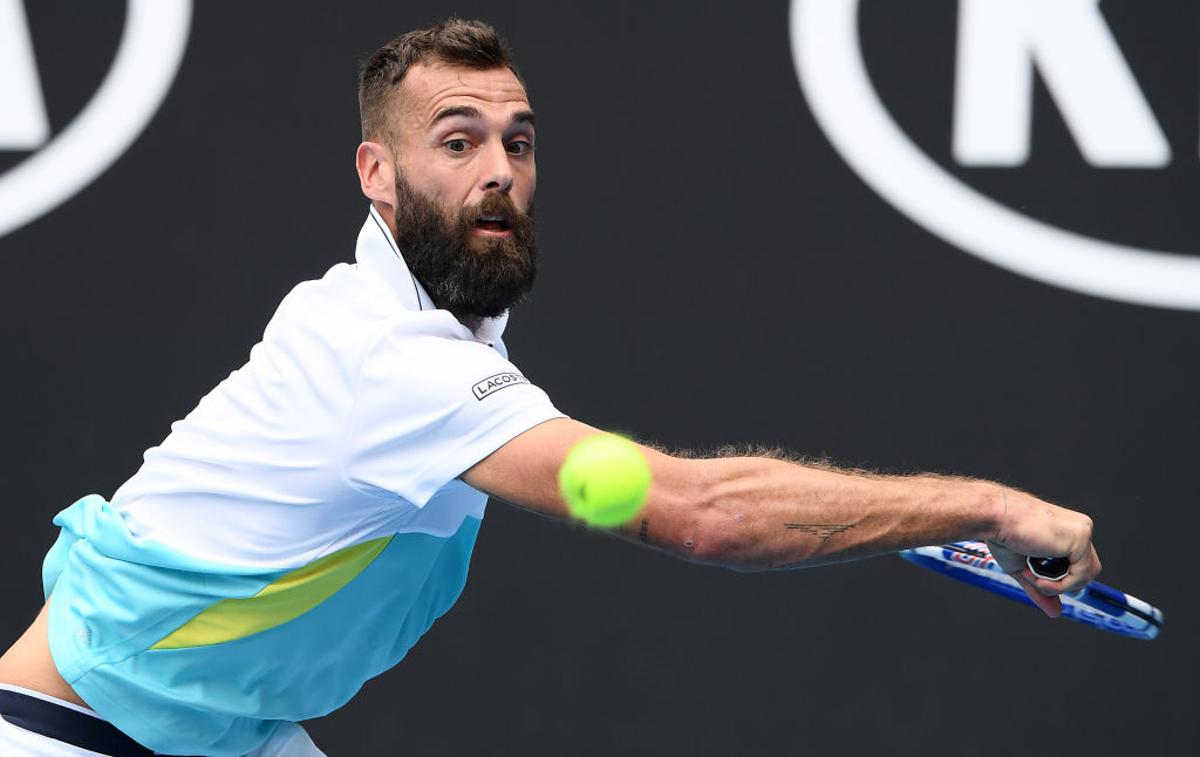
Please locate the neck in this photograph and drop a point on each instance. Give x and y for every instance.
(471, 322)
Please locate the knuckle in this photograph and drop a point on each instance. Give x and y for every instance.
(1088, 526)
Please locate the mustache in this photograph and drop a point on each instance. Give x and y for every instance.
(497, 206)
(470, 274)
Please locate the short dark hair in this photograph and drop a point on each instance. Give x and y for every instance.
(473, 44)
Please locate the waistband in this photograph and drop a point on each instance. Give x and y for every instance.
(72, 726)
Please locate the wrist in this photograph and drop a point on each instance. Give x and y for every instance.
(991, 509)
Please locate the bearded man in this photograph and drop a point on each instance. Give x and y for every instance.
(312, 517)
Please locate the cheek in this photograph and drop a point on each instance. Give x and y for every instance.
(452, 189)
(525, 191)
(429, 174)
(444, 191)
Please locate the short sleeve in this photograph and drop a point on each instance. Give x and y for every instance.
(427, 408)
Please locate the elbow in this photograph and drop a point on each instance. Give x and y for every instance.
(715, 533)
(729, 532)
(694, 515)
(724, 547)
(720, 543)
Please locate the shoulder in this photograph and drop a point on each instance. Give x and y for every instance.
(347, 310)
(431, 347)
(354, 319)
(343, 289)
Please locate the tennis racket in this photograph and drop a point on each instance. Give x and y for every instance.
(1096, 605)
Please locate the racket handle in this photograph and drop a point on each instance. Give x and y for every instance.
(1050, 568)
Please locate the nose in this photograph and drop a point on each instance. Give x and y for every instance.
(497, 173)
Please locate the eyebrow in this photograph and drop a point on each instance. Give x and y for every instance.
(470, 111)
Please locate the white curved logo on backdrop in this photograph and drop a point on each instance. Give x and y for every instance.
(149, 55)
(829, 63)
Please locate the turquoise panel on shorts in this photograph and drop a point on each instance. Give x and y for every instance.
(114, 596)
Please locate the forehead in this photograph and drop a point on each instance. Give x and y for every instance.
(427, 89)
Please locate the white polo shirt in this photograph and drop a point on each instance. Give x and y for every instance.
(301, 528)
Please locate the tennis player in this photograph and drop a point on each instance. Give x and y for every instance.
(300, 529)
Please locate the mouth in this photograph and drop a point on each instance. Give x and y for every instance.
(493, 225)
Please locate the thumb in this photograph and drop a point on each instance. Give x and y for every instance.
(1052, 606)
(1009, 561)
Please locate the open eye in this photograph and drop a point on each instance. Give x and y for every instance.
(456, 145)
(519, 147)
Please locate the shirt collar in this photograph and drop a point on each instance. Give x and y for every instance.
(377, 252)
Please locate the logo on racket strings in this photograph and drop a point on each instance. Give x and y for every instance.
(974, 554)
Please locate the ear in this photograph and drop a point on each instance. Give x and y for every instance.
(377, 173)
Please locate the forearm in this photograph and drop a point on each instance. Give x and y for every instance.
(756, 513)
(761, 514)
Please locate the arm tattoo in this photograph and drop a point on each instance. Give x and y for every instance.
(820, 530)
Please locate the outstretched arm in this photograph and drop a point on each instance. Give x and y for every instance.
(756, 513)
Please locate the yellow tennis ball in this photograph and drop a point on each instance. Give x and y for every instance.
(604, 480)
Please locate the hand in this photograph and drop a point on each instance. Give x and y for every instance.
(1030, 526)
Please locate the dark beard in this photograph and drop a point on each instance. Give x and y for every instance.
(472, 276)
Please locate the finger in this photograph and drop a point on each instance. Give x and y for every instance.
(1048, 587)
(1096, 566)
(1080, 575)
(1051, 605)
(1083, 548)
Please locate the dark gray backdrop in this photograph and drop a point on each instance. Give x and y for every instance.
(712, 273)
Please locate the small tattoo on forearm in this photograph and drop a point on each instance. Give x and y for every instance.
(644, 530)
(820, 530)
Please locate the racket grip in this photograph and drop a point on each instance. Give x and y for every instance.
(1050, 568)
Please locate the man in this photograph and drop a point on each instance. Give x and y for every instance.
(299, 530)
